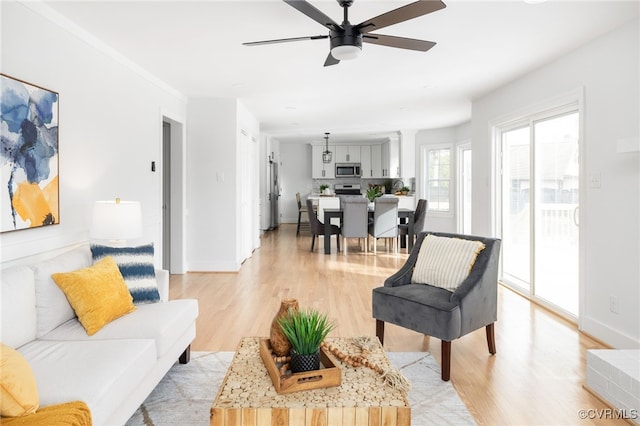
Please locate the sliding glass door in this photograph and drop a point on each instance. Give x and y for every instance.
(539, 208)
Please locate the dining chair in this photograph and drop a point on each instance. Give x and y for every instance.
(304, 225)
(317, 228)
(385, 221)
(419, 221)
(355, 218)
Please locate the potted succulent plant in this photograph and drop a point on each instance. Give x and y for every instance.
(405, 190)
(306, 330)
(324, 189)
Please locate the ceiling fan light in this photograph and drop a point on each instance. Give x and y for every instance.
(346, 52)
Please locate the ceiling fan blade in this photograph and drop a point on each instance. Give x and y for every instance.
(400, 42)
(401, 14)
(284, 40)
(313, 13)
(331, 61)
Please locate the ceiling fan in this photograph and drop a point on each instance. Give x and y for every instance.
(346, 39)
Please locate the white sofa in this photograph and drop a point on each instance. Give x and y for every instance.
(112, 371)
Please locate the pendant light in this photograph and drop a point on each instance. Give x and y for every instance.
(326, 155)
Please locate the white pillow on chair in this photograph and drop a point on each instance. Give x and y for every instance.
(445, 262)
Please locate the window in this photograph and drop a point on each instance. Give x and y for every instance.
(438, 179)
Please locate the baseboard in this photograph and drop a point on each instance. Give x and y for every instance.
(608, 335)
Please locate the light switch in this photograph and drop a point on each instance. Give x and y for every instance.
(594, 180)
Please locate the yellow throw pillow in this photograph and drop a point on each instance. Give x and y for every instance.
(19, 392)
(98, 294)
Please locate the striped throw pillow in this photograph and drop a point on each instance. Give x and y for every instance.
(137, 268)
(445, 262)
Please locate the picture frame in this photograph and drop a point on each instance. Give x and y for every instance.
(29, 155)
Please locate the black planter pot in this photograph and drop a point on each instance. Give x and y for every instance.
(300, 363)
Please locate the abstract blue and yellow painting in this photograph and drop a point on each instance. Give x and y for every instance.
(28, 155)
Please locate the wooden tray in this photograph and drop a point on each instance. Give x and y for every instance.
(329, 374)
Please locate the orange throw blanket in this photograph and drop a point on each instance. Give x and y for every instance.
(69, 414)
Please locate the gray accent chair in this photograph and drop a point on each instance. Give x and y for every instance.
(385, 221)
(437, 312)
(355, 220)
(317, 228)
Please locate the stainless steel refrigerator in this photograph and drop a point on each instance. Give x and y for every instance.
(274, 194)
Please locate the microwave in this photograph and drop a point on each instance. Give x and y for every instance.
(348, 170)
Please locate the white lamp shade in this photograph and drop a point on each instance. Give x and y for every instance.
(346, 52)
(116, 220)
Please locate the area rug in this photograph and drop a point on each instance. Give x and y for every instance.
(186, 393)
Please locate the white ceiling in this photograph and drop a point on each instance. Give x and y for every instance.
(195, 47)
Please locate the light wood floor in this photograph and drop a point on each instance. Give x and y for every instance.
(535, 378)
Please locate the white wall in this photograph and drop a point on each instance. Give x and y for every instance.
(222, 222)
(608, 70)
(408, 154)
(295, 172)
(110, 124)
(216, 223)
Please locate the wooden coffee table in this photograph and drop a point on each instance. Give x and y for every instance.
(247, 396)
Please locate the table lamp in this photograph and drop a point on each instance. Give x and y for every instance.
(116, 221)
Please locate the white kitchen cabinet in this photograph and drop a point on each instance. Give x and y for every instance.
(376, 161)
(394, 159)
(385, 159)
(347, 154)
(320, 170)
(390, 159)
(406, 202)
(365, 161)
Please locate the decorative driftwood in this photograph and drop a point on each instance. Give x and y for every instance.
(248, 397)
(392, 377)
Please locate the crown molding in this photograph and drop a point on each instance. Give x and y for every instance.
(65, 23)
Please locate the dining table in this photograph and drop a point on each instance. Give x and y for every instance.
(405, 216)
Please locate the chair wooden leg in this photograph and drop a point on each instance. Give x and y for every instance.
(446, 360)
(380, 331)
(313, 241)
(298, 229)
(491, 338)
(185, 357)
(338, 241)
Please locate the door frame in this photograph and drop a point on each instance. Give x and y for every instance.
(556, 105)
(176, 166)
(460, 149)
